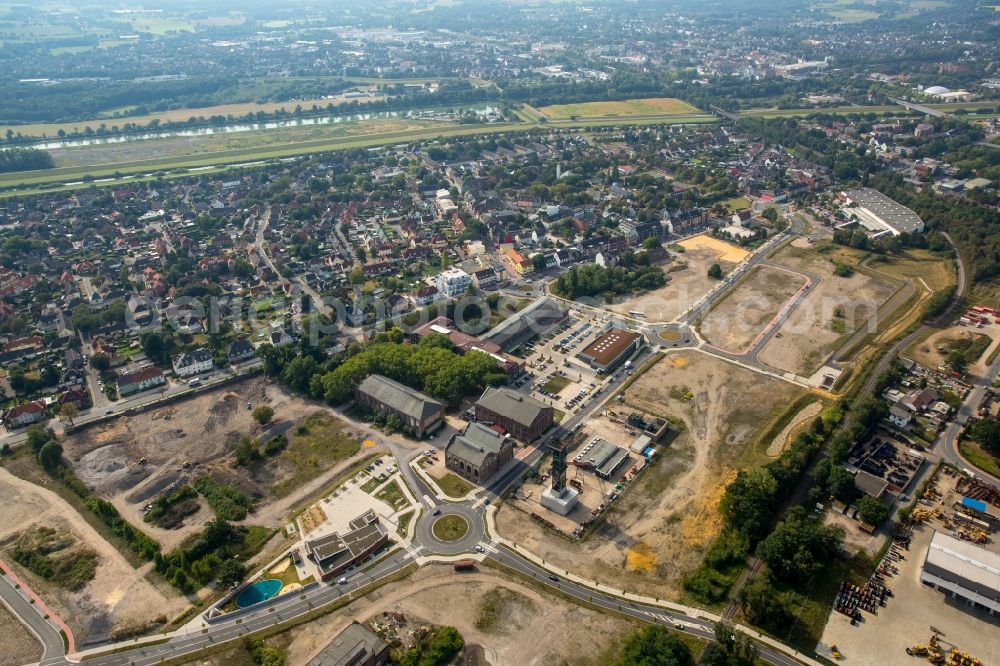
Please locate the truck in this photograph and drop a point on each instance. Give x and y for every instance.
(465, 565)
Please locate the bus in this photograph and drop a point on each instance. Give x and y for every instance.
(636, 313)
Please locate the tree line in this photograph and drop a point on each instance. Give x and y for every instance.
(24, 159)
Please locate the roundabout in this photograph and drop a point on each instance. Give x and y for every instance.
(457, 528)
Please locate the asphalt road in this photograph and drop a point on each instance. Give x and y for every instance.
(47, 635)
(640, 611)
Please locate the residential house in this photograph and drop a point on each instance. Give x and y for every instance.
(142, 379)
(193, 363)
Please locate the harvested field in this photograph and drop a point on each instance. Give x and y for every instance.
(829, 314)
(17, 644)
(736, 321)
(117, 597)
(131, 461)
(657, 531)
(628, 107)
(687, 280)
(507, 608)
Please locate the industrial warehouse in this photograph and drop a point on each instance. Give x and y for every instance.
(611, 348)
(878, 214)
(963, 571)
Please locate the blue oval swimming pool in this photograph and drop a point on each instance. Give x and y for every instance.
(260, 591)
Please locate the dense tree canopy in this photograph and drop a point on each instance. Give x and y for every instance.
(594, 280)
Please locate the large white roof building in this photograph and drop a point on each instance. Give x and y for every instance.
(879, 214)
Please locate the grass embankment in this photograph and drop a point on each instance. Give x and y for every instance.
(28, 182)
(979, 457)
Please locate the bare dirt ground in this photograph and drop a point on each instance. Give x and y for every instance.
(814, 330)
(118, 596)
(437, 595)
(17, 644)
(744, 313)
(657, 532)
(927, 353)
(131, 461)
(687, 282)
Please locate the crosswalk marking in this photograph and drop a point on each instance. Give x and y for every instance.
(413, 551)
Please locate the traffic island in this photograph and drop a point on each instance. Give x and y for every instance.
(450, 528)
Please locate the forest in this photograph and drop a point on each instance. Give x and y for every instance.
(594, 280)
(24, 159)
(433, 366)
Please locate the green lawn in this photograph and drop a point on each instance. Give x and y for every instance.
(453, 485)
(371, 484)
(736, 203)
(975, 454)
(393, 495)
(556, 384)
(450, 528)
(404, 522)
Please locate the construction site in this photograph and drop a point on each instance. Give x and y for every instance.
(591, 468)
(132, 462)
(920, 600)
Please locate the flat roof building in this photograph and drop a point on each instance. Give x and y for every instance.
(417, 412)
(535, 319)
(337, 552)
(478, 453)
(521, 415)
(602, 457)
(879, 214)
(356, 645)
(611, 348)
(963, 570)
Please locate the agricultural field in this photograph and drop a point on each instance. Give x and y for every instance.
(736, 321)
(133, 461)
(837, 306)
(658, 531)
(687, 279)
(116, 597)
(629, 107)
